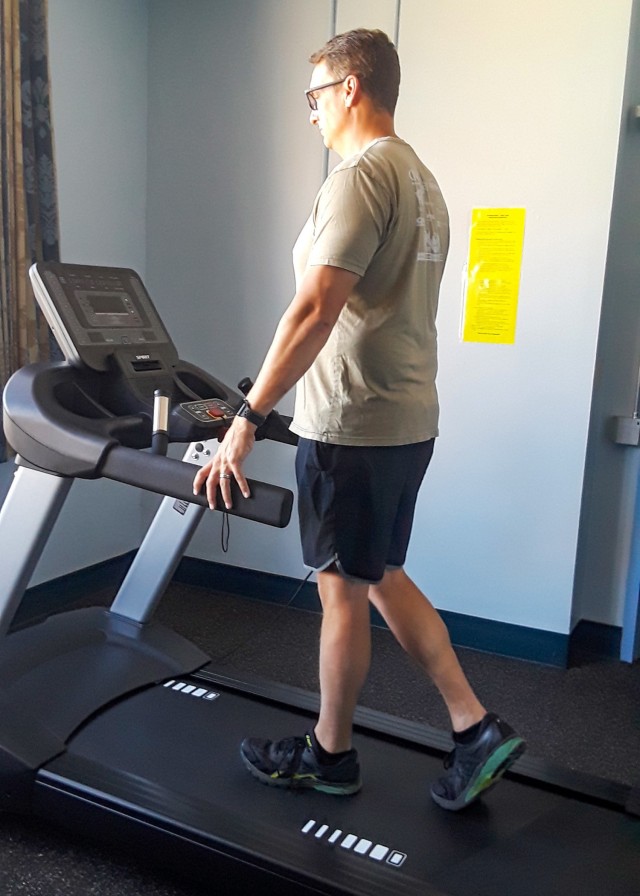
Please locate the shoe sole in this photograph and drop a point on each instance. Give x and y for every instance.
(302, 782)
(487, 776)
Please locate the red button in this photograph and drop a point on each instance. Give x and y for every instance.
(215, 412)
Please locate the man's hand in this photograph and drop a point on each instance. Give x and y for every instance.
(227, 464)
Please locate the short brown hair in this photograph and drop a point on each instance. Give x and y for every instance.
(371, 56)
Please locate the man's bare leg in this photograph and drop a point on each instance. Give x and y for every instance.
(481, 755)
(345, 656)
(419, 629)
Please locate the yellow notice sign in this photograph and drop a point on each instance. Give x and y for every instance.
(493, 278)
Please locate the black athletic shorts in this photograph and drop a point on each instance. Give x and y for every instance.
(356, 505)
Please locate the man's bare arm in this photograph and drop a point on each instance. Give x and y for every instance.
(302, 332)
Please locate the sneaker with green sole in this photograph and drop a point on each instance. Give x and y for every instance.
(293, 763)
(475, 767)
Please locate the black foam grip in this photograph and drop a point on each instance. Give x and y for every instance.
(159, 442)
(268, 504)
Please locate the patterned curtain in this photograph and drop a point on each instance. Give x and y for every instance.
(28, 212)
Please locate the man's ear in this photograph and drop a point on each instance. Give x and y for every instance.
(353, 90)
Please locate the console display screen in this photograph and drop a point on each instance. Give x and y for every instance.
(106, 302)
(97, 313)
(106, 309)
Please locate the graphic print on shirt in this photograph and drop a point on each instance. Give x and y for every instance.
(429, 247)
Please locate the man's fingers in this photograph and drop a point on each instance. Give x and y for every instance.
(225, 489)
(223, 469)
(226, 478)
(200, 478)
(242, 482)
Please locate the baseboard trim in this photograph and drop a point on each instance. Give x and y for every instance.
(589, 642)
(489, 636)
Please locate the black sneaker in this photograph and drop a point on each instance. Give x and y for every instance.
(293, 763)
(475, 767)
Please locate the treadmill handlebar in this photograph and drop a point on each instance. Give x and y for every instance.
(276, 429)
(59, 418)
(54, 423)
(276, 426)
(268, 504)
(54, 420)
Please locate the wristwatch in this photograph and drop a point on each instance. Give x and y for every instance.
(252, 416)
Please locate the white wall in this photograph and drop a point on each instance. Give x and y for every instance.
(98, 66)
(510, 105)
(514, 104)
(98, 69)
(233, 168)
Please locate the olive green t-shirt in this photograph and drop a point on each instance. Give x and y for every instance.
(381, 215)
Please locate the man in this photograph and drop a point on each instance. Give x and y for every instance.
(359, 339)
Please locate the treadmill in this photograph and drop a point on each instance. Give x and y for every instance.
(117, 727)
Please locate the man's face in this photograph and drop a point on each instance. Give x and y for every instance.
(330, 114)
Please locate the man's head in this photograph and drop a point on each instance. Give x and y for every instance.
(370, 56)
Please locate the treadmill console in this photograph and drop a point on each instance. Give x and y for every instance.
(94, 311)
(122, 380)
(208, 410)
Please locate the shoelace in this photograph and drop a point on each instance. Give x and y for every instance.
(288, 752)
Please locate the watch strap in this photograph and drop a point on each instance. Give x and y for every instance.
(252, 416)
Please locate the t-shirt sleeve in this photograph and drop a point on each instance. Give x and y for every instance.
(350, 218)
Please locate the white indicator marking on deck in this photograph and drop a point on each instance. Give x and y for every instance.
(183, 687)
(363, 846)
(348, 841)
(360, 846)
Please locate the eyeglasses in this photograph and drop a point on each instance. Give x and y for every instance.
(310, 93)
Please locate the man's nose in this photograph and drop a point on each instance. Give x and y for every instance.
(313, 116)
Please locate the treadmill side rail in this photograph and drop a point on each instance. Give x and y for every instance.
(60, 673)
(25, 746)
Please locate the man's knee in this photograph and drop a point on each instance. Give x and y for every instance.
(334, 587)
(393, 580)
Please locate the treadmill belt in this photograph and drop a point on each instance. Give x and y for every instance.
(168, 757)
